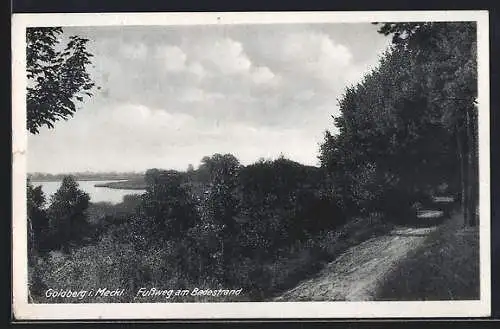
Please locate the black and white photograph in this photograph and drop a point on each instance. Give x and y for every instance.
(251, 165)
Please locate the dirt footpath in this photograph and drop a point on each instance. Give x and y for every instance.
(356, 274)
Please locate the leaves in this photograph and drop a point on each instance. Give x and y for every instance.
(67, 213)
(401, 117)
(167, 208)
(56, 78)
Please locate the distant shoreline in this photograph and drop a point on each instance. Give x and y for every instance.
(115, 184)
(80, 179)
(130, 184)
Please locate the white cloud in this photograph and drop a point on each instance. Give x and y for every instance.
(304, 95)
(173, 58)
(197, 69)
(227, 56)
(263, 75)
(250, 93)
(134, 51)
(157, 138)
(314, 47)
(316, 54)
(192, 95)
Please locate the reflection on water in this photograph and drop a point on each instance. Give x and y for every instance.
(97, 194)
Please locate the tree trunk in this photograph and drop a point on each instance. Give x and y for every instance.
(471, 179)
(463, 183)
(31, 241)
(31, 258)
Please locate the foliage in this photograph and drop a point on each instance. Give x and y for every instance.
(67, 214)
(167, 209)
(281, 202)
(37, 217)
(446, 55)
(57, 76)
(394, 141)
(406, 129)
(218, 211)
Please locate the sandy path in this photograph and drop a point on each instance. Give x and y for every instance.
(355, 275)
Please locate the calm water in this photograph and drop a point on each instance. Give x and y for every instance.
(97, 194)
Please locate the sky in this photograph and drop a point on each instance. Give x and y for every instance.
(171, 95)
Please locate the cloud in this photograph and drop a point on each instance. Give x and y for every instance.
(227, 56)
(134, 51)
(174, 59)
(263, 75)
(199, 95)
(197, 69)
(316, 55)
(158, 138)
(171, 96)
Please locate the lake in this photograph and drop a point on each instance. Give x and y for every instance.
(97, 194)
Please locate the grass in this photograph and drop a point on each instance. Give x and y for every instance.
(446, 267)
(88, 267)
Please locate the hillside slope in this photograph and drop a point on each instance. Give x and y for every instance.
(357, 274)
(438, 262)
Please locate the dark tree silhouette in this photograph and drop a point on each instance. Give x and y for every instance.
(38, 220)
(398, 126)
(167, 209)
(67, 213)
(219, 210)
(57, 76)
(447, 56)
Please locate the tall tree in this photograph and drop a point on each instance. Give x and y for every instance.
(220, 205)
(37, 216)
(447, 56)
(67, 213)
(391, 144)
(167, 207)
(57, 76)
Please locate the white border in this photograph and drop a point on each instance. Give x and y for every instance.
(25, 311)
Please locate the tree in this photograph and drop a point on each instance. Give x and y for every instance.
(37, 216)
(447, 56)
(219, 208)
(221, 167)
(275, 197)
(67, 213)
(391, 146)
(37, 234)
(57, 76)
(167, 209)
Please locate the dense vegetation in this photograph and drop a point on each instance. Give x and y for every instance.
(411, 125)
(406, 132)
(223, 232)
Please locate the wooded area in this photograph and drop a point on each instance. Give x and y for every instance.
(406, 133)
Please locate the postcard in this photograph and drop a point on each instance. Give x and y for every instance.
(259, 165)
